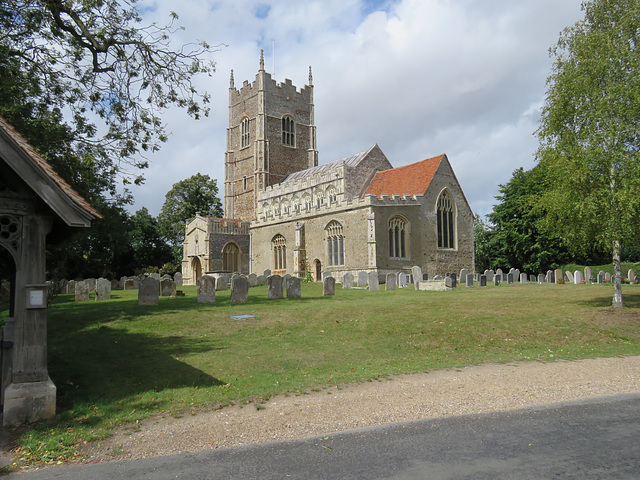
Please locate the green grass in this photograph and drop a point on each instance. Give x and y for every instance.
(115, 362)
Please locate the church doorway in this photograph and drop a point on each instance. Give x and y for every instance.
(318, 267)
(196, 268)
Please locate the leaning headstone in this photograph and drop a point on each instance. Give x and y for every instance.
(483, 280)
(390, 282)
(167, 287)
(82, 291)
(274, 283)
(266, 273)
(577, 277)
(402, 280)
(328, 286)
(260, 280)
(447, 282)
(103, 289)
(293, 287)
(326, 274)
(509, 278)
(347, 280)
(240, 288)
(541, 278)
(363, 279)
(177, 278)
(253, 279)
(373, 281)
(569, 276)
(516, 274)
(496, 280)
(207, 289)
(469, 279)
(587, 275)
(129, 284)
(416, 271)
(222, 283)
(149, 291)
(523, 278)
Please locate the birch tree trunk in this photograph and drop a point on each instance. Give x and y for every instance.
(617, 276)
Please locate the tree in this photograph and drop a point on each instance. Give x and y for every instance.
(150, 249)
(589, 136)
(92, 60)
(196, 194)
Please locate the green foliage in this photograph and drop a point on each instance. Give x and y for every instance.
(94, 60)
(116, 362)
(482, 244)
(196, 194)
(589, 140)
(150, 248)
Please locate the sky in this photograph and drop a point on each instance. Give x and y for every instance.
(417, 77)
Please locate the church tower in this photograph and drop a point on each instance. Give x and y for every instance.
(271, 134)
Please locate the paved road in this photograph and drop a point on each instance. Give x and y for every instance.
(593, 439)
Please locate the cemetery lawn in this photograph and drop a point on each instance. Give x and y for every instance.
(115, 362)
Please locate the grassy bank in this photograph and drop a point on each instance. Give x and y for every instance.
(115, 362)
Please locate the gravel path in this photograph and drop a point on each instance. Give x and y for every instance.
(479, 389)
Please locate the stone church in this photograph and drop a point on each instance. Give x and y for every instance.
(287, 214)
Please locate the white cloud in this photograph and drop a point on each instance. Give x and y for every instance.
(419, 77)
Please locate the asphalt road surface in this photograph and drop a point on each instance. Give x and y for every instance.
(593, 439)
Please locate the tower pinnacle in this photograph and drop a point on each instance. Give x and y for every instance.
(262, 60)
(310, 77)
(231, 82)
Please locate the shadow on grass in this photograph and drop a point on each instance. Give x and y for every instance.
(630, 300)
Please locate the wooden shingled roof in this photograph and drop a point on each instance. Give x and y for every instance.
(45, 182)
(413, 179)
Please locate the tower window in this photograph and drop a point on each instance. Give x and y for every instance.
(245, 132)
(288, 132)
(398, 237)
(244, 183)
(446, 224)
(335, 243)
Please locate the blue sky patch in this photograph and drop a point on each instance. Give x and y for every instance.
(261, 11)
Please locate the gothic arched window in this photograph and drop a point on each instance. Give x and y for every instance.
(288, 131)
(335, 243)
(245, 132)
(398, 237)
(446, 223)
(231, 257)
(279, 245)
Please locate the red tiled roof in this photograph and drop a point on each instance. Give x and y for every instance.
(22, 143)
(413, 179)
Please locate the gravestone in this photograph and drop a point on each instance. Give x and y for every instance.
(569, 276)
(577, 277)
(284, 278)
(416, 271)
(222, 283)
(363, 279)
(551, 278)
(92, 283)
(253, 279)
(489, 274)
(541, 278)
(260, 280)
(499, 273)
(347, 280)
(469, 279)
(454, 280)
(463, 274)
(155, 275)
(103, 289)
(496, 280)
(558, 275)
(122, 280)
(149, 291)
(600, 278)
(437, 278)
(328, 286)
(167, 287)
(207, 289)
(607, 277)
(516, 275)
(587, 275)
(293, 285)
(631, 275)
(240, 288)
(509, 278)
(71, 287)
(129, 284)
(275, 287)
(523, 278)
(114, 284)
(326, 274)
(390, 282)
(177, 278)
(533, 278)
(483, 280)
(266, 273)
(82, 291)
(374, 284)
(5, 291)
(402, 280)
